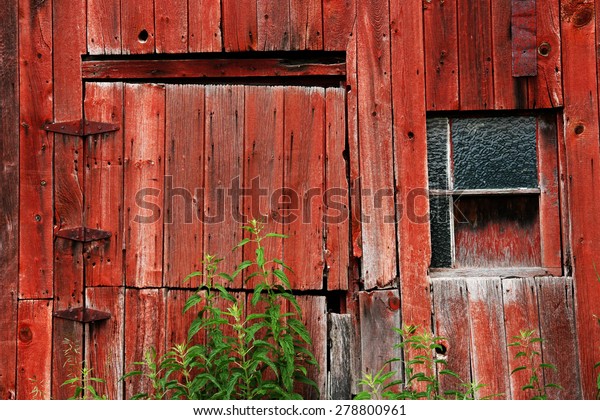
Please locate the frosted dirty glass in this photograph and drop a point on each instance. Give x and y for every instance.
(437, 152)
(441, 237)
(498, 152)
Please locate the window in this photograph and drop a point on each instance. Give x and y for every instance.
(494, 194)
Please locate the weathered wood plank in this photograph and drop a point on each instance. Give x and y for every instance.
(224, 148)
(451, 321)
(179, 323)
(171, 25)
(375, 133)
(137, 27)
(341, 348)
(144, 184)
(520, 314)
(36, 150)
(379, 314)
(184, 180)
(441, 54)
(240, 26)
(69, 18)
(338, 20)
(306, 25)
(145, 329)
(304, 151)
(105, 341)
(34, 349)
(475, 55)
(9, 201)
(410, 147)
(68, 293)
(274, 32)
(314, 316)
(510, 92)
(206, 68)
(104, 26)
(337, 200)
(580, 84)
(545, 90)
(557, 326)
(104, 185)
(524, 30)
(488, 341)
(204, 25)
(263, 166)
(550, 236)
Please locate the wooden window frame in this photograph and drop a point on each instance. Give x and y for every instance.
(550, 203)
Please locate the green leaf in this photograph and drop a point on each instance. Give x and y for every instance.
(241, 243)
(282, 276)
(449, 373)
(281, 263)
(276, 235)
(191, 302)
(260, 256)
(191, 275)
(226, 277)
(548, 366)
(517, 369)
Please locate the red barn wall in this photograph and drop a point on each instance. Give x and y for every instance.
(403, 60)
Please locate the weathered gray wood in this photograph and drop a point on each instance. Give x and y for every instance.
(341, 357)
(557, 326)
(504, 272)
(379, 314)
(451, 321)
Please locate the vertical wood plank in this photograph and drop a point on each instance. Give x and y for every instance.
(105, 341)
(338, 20)
(550, 236)
(34, 349)
(68, 293)
(545, 90)
(337, 211)
(224, 146)
(240, 25)
(184, 180)
(340, 336)
(451, 321)
(104, 26)
(524, 30)
(263, 165)
(137, 27)
(580, 83)
(510, 92)
(314, 316)
(557, 325)
(306, 24)
(379, 315)
(410, 147)
(204, 25)
(488, 340)
(441, 54)
(379, 268)
(171, 23)
(475, 55)
(144, 329)
(520, 314)
(9, 201)
(104, 185)
(273, 25)
(36, 150)
(69, 20)
(304, 150)
(179, 323)
(144, 184)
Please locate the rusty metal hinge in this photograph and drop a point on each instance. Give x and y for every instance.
(83, 234)
(83, 315)
(81, 128)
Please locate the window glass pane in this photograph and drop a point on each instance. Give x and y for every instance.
(437, 152)
(498, 152)
(441, 236)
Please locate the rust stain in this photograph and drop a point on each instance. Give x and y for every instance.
(578, 12)
(393, 302)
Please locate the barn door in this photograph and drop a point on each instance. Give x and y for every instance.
(189, 165)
